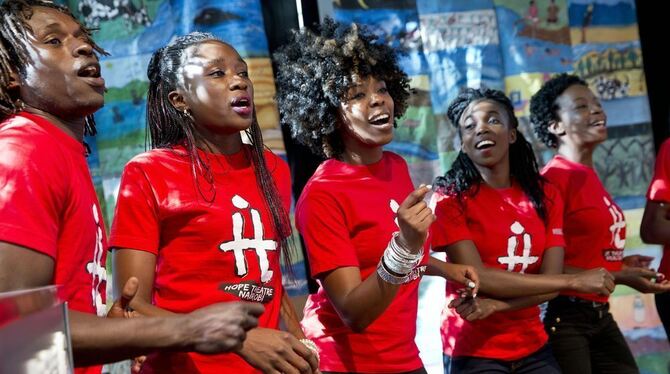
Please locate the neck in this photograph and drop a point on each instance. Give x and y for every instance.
(581, 155)
(74, 127)
(497, 176)
(359, 155)
(222, 144)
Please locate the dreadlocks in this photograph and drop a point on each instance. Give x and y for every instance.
(464, 178)
(168, 127)
(14, 57)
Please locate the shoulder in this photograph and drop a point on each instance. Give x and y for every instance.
(24, 143)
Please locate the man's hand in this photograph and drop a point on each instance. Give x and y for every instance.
(273, 351)
(121, 306)
(218, 328)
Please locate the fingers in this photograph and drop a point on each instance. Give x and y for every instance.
(306, 357)
(472, 281)
(130, 290)
(415, 196)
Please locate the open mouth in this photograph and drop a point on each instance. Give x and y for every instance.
(241, 105)
(379, 119)
(600, 123)
(91, 72)
(485, 144)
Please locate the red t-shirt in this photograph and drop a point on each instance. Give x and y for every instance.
(347, 216)
(594, 226)
(509, 235)
(207, 252)
(48, 204)
(659, 190)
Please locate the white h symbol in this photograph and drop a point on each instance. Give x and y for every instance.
(239, 244)
(97, 271)
(618, 224)
(512, 242)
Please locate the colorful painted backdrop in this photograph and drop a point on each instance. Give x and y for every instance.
(515, 45)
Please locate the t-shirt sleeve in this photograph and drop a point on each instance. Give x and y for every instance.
(554, 225)
(322, 223)
(659, 189)
(32, 195)
(136, 219)
(450, 225)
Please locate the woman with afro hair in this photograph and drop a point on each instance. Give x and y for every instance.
(364, 224)
(496, 213)
(568, 116)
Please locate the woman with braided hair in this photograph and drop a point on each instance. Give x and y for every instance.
(495, 213)
(203, 218)
(364, 224)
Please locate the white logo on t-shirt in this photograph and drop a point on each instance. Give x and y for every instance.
(96, 268)
(394, 208)
(511, 260)
(239, 244)
(618, 224)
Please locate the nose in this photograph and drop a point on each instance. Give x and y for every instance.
(83, 48)
(376, 99)
(238, 83)
(481, 127)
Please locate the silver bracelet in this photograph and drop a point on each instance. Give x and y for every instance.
(387, 277)
(312, 347)
(398, 259)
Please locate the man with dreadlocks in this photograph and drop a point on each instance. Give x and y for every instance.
(364, 224)
(51, 229)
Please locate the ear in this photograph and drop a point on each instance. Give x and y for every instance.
(556, 128)
(14, 81)
(177, 100)
(512, 136)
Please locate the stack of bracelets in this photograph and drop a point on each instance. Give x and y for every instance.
(398, 262)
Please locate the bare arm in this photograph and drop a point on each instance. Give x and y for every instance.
(655, 226)
(290, 318)
(502, 284)
(219, 328)
(265, 349)
(360, 302)
(474, 309)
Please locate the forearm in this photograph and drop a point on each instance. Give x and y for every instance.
(98, 340)
(505, 285)
(365, 302)
(523, 302)
(290, 317)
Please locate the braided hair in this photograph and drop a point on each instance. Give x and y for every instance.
(543, 107)
(14, 57)
(464, 178)
(315, 72)
(168, 127)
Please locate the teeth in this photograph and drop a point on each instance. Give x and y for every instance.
(380, 118)
(484, 143)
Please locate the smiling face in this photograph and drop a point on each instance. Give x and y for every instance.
(486, 133)
(215, 88)
(581, 119)
(367, 114)
(63, 77)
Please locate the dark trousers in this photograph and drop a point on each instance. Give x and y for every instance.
(663, 308)
(586, 339)
(540, 362)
